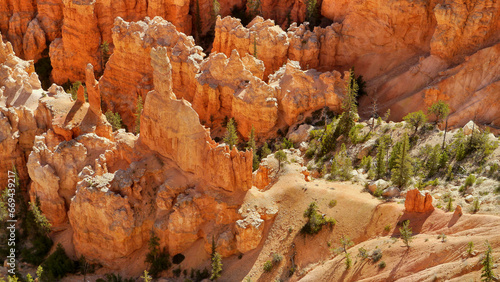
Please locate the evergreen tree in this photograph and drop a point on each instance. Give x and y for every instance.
(138, 112)
(40, 218)
(487, 270)
(215, 9)
(341, 165)
(265, 151)
(440, 109)
(406, 234)
(396, 151)
(251, 146)
(104, 55)
(281, 157)
(402, 168)
(349, 106)
(381, 166)
(231, 136)
(416, 120)
(432, 163)
(156, 258)
(216, 262)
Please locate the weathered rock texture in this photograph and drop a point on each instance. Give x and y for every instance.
(128, 72)
(218, 87)
(416, 202)
(80, 43)
(19, 91)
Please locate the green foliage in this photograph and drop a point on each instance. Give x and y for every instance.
(366, 162)
(440, 110)
(332, 203)
(476, 205)
(312, 12)
(382, 264)
(406, 234)
(315, 220)
(158, 260)
(104, 54)
(402, 170)
(469, 181)
(40, 218)
(449, 205)
(253, 9)
(381, 169)
(73, 90)
(487, 270)
(231, 137)
(348, 261)
(252, 146)
(470, 248)
(138, 111)
(416, 120)
(277, 258)
(114, 119)
(268, 266)
(349, 106)
(345, 242)
(341, 165)
(354, 134)
(376, 255)
(363, 253)
(265, 151)
(432, 163)
(281, 157)
(57, 265)
(146, 277)
(287, 144)
(216, 262)
(215, 9)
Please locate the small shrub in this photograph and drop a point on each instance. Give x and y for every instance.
(57, 265)
(348, 261)
(268, 266)
(470, 248)
(476, 205)
(315, 220)
(114, 119)
(332, 203)
(469, 181)
(387, 228)
(376, 255)
(382, 264)
(277, 258)
(287, 144)
(363, 253)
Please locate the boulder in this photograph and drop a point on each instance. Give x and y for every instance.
(391, 192)
(416, 202)
(301, 134)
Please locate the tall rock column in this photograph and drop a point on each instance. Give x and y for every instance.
(79, 45)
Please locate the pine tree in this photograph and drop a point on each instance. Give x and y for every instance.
(349, 105)
(104, 54)
(406, 234)
(281, 157)
(251, 146)
(416, 120)
(231, 136)
(216, 262)
(440, 109)
(381, 166)
(40, 218)
(265, 151)
(138, 112)
(341, 165)
(487, 270)
(402, 168)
